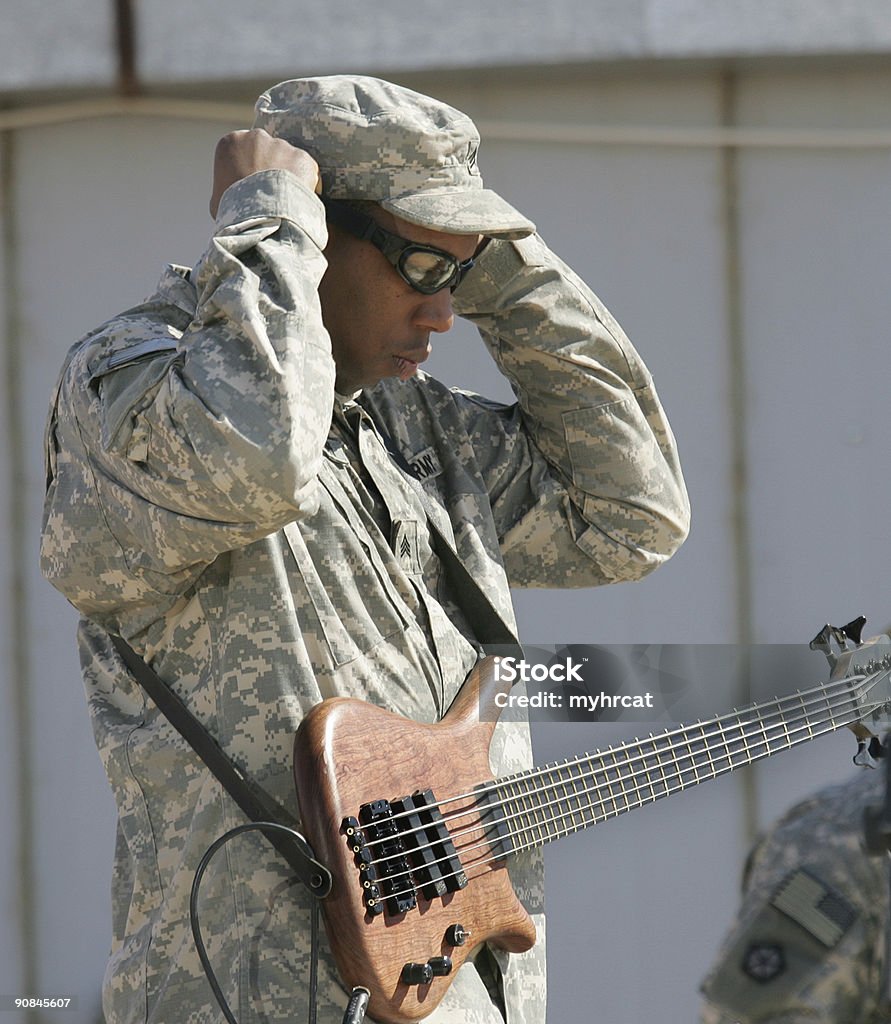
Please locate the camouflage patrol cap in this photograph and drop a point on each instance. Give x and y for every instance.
(373, 140)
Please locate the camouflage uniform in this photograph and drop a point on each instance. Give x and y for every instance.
(216, 502)
(810, 942)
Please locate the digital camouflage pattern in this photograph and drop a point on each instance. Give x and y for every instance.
(212, 499)
(810, 943)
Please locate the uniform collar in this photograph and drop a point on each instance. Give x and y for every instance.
(176, 288)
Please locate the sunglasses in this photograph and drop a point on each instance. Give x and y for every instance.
(425, 268)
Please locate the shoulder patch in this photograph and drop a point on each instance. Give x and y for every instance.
(819, 910)
(764, 961)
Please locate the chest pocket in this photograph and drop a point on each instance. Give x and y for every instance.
(346, 584)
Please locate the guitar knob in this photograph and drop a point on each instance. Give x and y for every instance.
(868, 752)
(417, 974)
(440, 965)
(456, 935)
(854, 629)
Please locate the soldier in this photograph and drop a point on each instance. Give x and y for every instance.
(221, 494)
(811, 937)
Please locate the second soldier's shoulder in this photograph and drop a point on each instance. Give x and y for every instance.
(839, 806)
(824, 835)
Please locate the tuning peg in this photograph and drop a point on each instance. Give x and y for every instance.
(823, 640)
(854, 629)
(868, 752)
(841, 635)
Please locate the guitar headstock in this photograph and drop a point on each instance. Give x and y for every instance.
(850, 657)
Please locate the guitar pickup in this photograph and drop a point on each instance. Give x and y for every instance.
(429, 846)
(403, 849)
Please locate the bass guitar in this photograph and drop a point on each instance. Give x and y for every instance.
(417, 835)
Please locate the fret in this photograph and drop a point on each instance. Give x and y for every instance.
(568, 804)
(745, 741)
(533, 825)
(708, 753)
(633, 778)
(726, 754)
(696, 746)
(777, 735)
(552, 802)
(733, 739)
(685, 762)
(605, 784)
(523, 825)
(828, 708)
(539, 803)
(734, 744)
(578, 781)
(585, 793)
(763, 739)
(653, 763)
(553, 810)
(786, 734)
(516, 815)
(566, 800)
(830, 711)
(615, 781)
(806, 713)
(663, 777)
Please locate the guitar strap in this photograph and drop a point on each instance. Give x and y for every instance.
(256, 804)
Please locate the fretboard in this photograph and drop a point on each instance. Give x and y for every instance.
(535, 807)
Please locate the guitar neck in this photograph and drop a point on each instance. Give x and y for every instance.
(538, 806)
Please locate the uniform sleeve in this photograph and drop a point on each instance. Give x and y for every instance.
(215, 439)
(587, 463)
(254, 396)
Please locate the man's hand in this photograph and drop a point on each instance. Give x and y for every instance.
(239, 154)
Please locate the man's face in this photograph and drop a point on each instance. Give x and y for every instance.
(379, 325)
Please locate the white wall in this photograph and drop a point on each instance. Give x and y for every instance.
(47, 45)
(638, 905)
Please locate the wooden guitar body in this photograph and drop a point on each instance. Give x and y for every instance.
(348, 754)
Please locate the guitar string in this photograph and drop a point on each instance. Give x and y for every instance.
(495, 858)
(706, 751)
(734, 719)
(579, 793)
(785, 736)
(723, 723)
(701, 738)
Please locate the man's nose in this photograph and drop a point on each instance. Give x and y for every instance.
(435, 312)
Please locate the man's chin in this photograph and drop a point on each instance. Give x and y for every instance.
(401, 369)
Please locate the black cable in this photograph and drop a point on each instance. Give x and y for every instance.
(355, 1011)
(254, 826)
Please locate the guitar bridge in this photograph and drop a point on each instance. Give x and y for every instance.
(403, 849)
